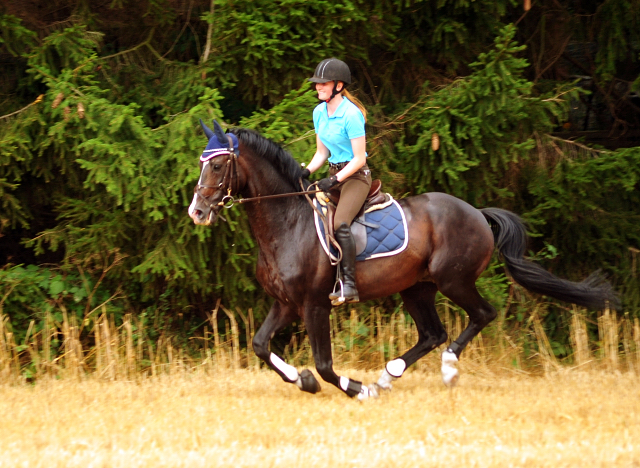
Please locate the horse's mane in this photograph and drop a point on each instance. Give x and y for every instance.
(267, 149)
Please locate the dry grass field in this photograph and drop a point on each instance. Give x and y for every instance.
(245, 418)
(130, 402)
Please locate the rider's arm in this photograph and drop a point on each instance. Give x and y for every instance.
(322, 154)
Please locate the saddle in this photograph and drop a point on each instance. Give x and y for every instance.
(374, 198)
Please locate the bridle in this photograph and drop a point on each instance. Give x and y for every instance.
(229, 180)
(230, 184)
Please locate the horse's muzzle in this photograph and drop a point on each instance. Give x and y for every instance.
(200, 218)
(202, 215)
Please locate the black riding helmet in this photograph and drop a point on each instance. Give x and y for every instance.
(332, 69)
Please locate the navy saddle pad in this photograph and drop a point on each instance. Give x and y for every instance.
(390, 237)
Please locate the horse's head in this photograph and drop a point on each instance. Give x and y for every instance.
(218, 175)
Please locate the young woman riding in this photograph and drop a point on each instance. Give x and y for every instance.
(340, 137)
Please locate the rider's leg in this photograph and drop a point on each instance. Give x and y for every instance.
(348, 264)
(352, 196)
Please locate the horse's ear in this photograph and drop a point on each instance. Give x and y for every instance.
(207, 131)
(219, 132)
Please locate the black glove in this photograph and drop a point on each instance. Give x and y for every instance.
(305, 174)
(326, 184)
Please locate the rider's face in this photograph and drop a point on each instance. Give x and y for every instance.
(325, 89)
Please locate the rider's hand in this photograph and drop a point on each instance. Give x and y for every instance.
(305, 174)
(326, 184)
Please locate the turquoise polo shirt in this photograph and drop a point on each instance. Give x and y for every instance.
(337, 131)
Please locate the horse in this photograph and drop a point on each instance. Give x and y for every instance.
(450, 244)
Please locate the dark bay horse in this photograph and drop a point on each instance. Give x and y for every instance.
(450, 244)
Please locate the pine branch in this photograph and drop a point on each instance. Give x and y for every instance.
(207, 48)
(579, 145)
(37, 101)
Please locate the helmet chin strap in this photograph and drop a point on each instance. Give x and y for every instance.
(335, 91)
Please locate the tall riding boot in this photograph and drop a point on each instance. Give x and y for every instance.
(348, 264)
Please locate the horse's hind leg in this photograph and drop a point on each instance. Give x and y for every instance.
(419, 301)
(480, 313)
(279, 317)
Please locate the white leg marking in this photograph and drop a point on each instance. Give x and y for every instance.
(396, 367)
(364, 393)
(385, 380)
(290, 372)
(450, 374)
(344, 383)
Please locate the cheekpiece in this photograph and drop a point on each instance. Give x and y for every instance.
(218, 142)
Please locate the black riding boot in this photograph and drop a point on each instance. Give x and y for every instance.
(348, 264)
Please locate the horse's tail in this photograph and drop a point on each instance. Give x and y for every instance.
(511, 240)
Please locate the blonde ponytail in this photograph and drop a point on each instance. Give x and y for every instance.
(356, 101)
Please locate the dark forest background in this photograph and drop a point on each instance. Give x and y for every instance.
(535, 111)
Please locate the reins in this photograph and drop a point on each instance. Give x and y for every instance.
(230, 184)
(230, 199)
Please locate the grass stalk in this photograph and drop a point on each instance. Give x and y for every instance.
(579, 338)
(545, 350)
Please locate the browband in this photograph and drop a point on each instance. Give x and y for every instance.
(212, 153)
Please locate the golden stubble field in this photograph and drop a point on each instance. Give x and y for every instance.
(245, 418)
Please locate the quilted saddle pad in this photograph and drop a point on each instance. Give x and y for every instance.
(385, 228)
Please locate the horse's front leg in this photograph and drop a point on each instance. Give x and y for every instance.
(318, 328)
(279, 317)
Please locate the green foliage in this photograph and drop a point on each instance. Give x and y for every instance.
(103, 165)
(15, 38)
(617, 22)
(31, 293)
(485, 123)
(588, 205)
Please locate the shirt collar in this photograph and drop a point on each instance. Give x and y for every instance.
(342, 108)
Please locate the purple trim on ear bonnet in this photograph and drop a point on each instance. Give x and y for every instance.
(218, 142)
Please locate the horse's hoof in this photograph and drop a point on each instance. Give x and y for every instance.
(367, 392)
(309, 382)
(375, 390)
(450, 374)
(384, 382)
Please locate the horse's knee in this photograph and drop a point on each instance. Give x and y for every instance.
(441, 338)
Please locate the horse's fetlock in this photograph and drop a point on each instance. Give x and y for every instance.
(326, 372)
(442, 338)
(261, 349)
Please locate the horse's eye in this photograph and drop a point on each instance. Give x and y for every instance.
(216, 167)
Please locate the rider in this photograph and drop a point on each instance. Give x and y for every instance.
(340, 137)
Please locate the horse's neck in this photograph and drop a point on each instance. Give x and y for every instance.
(273, 219)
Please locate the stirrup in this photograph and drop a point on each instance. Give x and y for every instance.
(337, 299)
